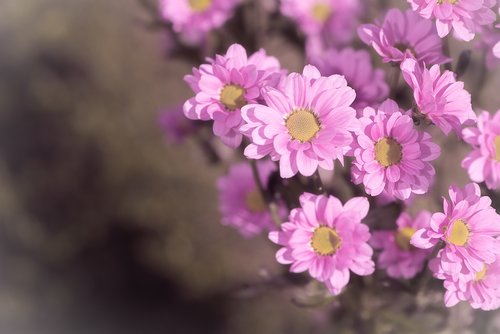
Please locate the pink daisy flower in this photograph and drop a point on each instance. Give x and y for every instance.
(240, 201)
(326, 239)
(207, 15)
(305, 126)
(483, 163)
(438, 96)
(496, 50)
(225, 85)
(468, 226)
(356, 67)
(463, 16)
(326, 21)
(391, 155)
(481, 289)
(490, 43)
(398, 256)
(403, 32)
(176, 126)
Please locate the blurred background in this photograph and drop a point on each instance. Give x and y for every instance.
(104, 227)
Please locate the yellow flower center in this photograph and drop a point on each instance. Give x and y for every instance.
(233, 97)
(388, 152)
(497, 148)
(440, 2)
(459, 233)
(321, 12)
(255, 202)
(199, 5)
(325, 240)
(403, 237)
(302, 125)
(481, 274)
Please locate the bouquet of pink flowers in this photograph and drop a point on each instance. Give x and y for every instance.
(291, 131)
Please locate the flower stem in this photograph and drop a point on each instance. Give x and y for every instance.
(424, 281)
(272, 206)
(318, 184)
(395, 81)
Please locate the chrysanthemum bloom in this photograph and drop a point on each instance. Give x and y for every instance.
(398, 256)
(403, 32)
(194, 18)
(481, 289)
(490, 43)
(305, 126)
(496, 50)
(176, 126)
(468, 228)
(483, 163)
(240, 201)
(438, 96)
(356, 67)
(225, 85)
(331, 21)
(463, 16)
(391, 155)
(326, 239)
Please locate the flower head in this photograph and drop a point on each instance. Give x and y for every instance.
(481, 289)
(326, 21)
(439, 97)
(398, 256)
(483, 163)
(304, 126)
(327, 239)
(490, 43)
(225, 85)
(208, 15)
(240, 202)
(468, 227)
(403, 32)
(463, 16)
(391, 155)
(176, 126)
(356, 67)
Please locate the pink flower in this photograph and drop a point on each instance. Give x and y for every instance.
(225, 85)
(176, 126)
(439, 97)
(481, 289)
(490, 43)
(240, 201)
(326, 21)
(463, 16)
(194, 18)
(483, 163)
(326, 239)
(391, 155)
(398, 257)
(403, 32)
(496, 50)
(304, 126)
(356, 67)
(468, 228)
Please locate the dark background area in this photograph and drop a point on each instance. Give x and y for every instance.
(105, 228)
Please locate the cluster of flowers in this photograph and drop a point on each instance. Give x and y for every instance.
(336, 108)
(332, 23)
